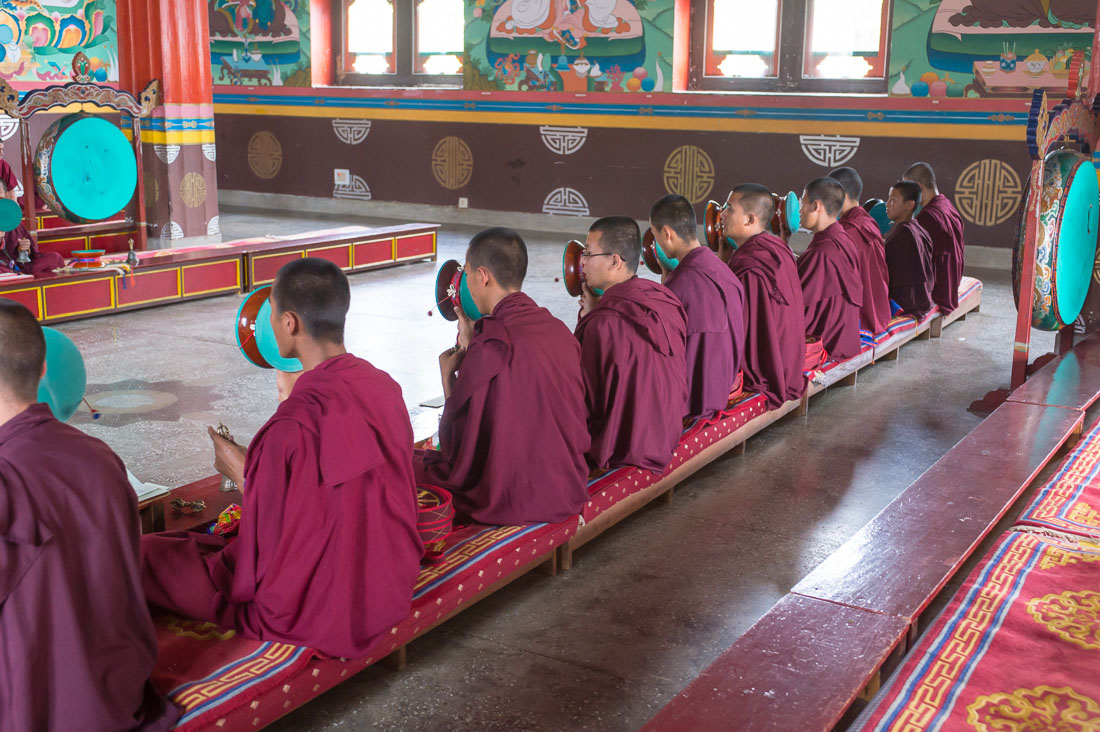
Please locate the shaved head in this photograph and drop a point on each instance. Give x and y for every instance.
(620, 235)
(908, 190)
(921, 173)
(317, 291)
(22, 352)
(850, 181)
(677, 213)
(502, 252)
(757, 200)
(829, 192)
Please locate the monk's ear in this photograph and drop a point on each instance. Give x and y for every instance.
(292, 323)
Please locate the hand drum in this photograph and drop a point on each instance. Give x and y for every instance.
(10, 215)
(84, 168)
(451, 292)
(62, 388)
(712, 228)
(255, 337)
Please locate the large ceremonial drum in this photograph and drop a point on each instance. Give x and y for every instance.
(786, 219)
(255, 337)
(84, 168)
(62, 388)
(451, 292)
(654, 256)
(1065, 241)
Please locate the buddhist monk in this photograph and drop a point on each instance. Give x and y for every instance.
(874, 314)
(633, 338)
(77, 644)
(328, 550)
(512, 437)
(829, 271)
(908, 252)
(775, 320)
(713, 301)
(944, 224)
(20, 240)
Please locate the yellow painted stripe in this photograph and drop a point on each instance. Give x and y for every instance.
(1008, 133)
(174, 137)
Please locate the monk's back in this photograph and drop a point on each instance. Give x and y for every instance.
(633, 357)
(77, 644)
(832, 291)
(328, 550)
(512, 437)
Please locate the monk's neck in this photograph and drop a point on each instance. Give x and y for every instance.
(684, 248)
(823, 226)
(742, 241)
(495, 297)
(927, 196)
(10, 409)
(316, 353)
(849, 204)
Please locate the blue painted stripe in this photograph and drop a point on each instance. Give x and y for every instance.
(236, 690)
(632, 110)
(1045, 491)
(474, 560)
(949, 630)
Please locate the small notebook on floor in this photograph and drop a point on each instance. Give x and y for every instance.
(435, 402)
(145, 491)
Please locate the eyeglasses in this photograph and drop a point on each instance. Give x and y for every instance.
(588, 255)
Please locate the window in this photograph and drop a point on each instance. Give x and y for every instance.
(400, 42)
(790, 45)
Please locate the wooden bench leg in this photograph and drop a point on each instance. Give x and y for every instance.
(977, 308)
(740, 448)
(396, 661)
(565, 557)
(668, 495)
(804, 405)
(872, 687)
(935, 328)
(891, 356)
(550, 566)
(849, 380)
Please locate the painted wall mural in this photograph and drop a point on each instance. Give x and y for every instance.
(260, 42)
(569, 45)
(38, 39)
(986, 48)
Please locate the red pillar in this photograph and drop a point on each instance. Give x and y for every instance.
(170, 40)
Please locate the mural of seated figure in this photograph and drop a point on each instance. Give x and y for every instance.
(599, 15)
(1026, 13)
(529, 16)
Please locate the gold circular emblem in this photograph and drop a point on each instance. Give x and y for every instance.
(689, 172)
(452, 163)
(1072, 616)
(193, 190)
(988, 192)
(265, 154)
(1043, 707)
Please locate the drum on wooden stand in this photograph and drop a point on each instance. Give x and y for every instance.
(1065, 240)
(84, 168)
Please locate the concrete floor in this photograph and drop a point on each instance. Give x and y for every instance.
(650, 603)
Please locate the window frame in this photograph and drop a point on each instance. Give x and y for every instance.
(794, 20)
(404, 52)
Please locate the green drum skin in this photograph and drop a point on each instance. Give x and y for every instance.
(62, 388)
(11, 215)
(85, 168)
(1065, 244)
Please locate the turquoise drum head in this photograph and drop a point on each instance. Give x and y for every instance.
(878, 213)
(62, 388)
(1075, 249)
(467, 300)
(10, 215)
(792, 212)
(669, 263)
(91, 170)
(269, 347)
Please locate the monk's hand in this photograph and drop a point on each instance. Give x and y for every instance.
(449, 362)
(24, 245)
(284, 382)
(228, 458)
(725, 251)
(589, 299)
(465, 328)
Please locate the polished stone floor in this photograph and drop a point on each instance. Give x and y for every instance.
(650, 603)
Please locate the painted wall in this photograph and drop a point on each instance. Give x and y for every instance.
(986, 48)
(38, 39)
(564, 47)
(260, 42)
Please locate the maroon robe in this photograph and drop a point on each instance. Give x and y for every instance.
(77, 644)
(714, 303)
(832, 291)
(7, 176)
(41, 262)
(944, 224)
(633, 359)
(328, 550)
(874, 314)
(775, 319)
(512, 437)
(909, 257)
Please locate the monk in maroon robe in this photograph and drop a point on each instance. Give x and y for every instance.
(874, 314)
(829, 271)
(713, 301)
(328, 549)
(633, 339)
(944, 224)
(40, 262)
(775, 320)
(908, 252)
(77, 644)
(512, 437)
